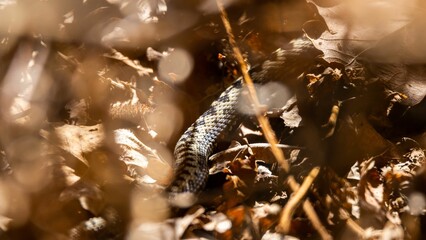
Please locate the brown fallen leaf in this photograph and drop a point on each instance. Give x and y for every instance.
(408, 80)
(355, 26)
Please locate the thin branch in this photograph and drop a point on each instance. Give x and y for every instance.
(263, 121)
(295, 200)
(266, 127)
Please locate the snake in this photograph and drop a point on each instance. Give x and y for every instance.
(199, 141)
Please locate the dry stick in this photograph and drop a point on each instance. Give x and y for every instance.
(262, 150)
(266, 128)
(295, 200)
(263, 121)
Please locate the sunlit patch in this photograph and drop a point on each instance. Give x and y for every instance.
(176, 67)
(210, 6)
(5, 3)
(14, 205)
(182, 200)
(116, 35)
(219, 222)
(271, 95)
(147, 205)
(417, 203)
(151, 230)
(69, 17)
(127, 32)
(30, 170)
(25, 87)
(146, 165)
(165, 121)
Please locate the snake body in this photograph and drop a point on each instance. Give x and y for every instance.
(199, 140)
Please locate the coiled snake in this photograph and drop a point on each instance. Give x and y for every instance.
(199, 140)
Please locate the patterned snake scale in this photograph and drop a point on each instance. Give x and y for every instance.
(199, 140)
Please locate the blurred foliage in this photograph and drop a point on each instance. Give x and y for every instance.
(95, 93)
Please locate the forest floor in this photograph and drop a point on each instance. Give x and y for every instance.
(96, 93)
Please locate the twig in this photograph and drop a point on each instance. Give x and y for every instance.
(332, 120)
(265, 126)
(295, 200)
(316, 222)
(263, 121)
(261, 150)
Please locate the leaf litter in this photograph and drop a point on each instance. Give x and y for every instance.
(87, 136)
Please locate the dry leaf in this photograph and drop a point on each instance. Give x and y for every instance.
(290, 114)
(354, 26)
